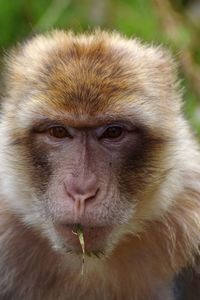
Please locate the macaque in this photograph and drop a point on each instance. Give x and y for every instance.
(92, 136)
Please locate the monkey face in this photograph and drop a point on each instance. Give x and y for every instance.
(86, 131)
(85, 185)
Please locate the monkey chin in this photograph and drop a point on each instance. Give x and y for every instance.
(96, 239)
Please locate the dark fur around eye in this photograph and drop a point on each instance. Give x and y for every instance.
(112, 132)
(58, 132)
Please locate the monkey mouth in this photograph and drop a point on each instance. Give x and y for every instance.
(95, 237)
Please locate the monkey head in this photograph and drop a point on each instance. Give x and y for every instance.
(87, 130)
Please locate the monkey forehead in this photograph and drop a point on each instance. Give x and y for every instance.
(35, 113)
(87, 74)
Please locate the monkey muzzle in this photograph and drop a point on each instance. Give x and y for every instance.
(95, 237)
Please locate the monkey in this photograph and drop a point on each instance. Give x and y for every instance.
(92, 134)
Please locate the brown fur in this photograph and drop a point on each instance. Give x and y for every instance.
(82, 80)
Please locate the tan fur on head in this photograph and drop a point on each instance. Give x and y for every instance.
(85, 81)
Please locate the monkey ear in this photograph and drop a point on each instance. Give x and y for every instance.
(24, 60)
(165, 63)
(159, 73)
(14, 70)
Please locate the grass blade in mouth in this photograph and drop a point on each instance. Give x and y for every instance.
(79, 232)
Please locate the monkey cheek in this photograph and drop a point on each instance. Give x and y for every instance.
(95, 238)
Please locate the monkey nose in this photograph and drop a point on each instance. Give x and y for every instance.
(81, 191)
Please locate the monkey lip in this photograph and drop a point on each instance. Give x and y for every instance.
(95, 237)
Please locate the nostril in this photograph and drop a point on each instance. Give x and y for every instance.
(67, 191)
(93, 196)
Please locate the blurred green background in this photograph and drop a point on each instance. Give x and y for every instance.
(175, 24)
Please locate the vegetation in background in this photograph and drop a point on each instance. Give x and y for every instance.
(175, 24)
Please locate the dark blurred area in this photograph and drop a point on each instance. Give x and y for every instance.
(175, 24)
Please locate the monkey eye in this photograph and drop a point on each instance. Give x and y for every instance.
(113, 132)
(59, 132)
